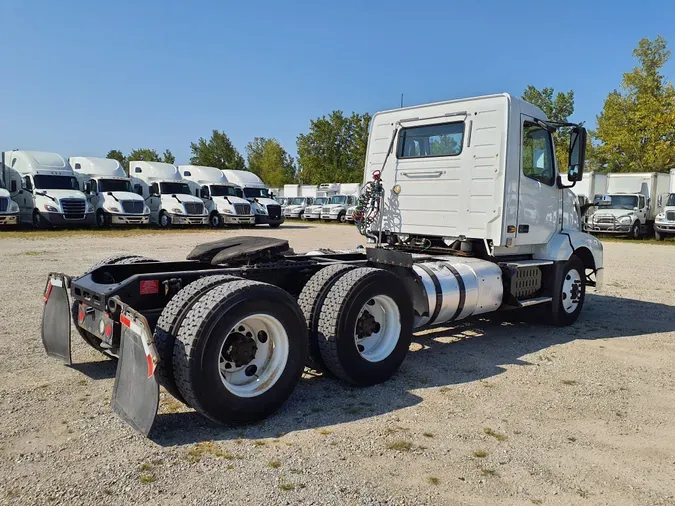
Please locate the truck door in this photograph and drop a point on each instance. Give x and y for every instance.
(94, 197)
(154, 202)
(538, 194)
(26, 203)
(643, 210)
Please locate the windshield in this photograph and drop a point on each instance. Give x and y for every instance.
(338, 199)
(671, 200)
(174, 189)
(622, 202)
(114, 185)
(297, 201)
(55, 183)
(253, 193)
(223, 191)
(321, 201)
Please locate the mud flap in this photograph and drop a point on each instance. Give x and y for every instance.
(56, 318)
(135, 396)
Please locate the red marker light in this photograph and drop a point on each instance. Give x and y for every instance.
(149, 287)
(108, 330)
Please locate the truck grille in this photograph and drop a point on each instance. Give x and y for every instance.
(4, 204)
(670, 214)
(73, 208)
(132, 206)
(242, 208)
(274, 211)
(325, 209)
(603, 219)
(194, 207)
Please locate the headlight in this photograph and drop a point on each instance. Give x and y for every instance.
(260, 210)
(625, 220)
(51, 209)
(177, 210)
(90, 208)
(335, 211)
(112, 209)
(225, 211)
(146, 210)
(13, 207)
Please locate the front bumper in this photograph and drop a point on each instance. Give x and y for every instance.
(264, 219)
(330, 216)
(182, 219)
(312, 216)
(608, 228)
(129, 219)
(667, 227)
(234, 219)
(295, 214)
(9, 220)
(60, 220)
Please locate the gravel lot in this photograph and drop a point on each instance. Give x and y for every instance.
(487, 412)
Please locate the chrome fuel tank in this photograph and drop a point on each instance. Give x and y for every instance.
(458, 287)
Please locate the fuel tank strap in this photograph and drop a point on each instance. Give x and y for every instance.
(439, 293)
(462, 291)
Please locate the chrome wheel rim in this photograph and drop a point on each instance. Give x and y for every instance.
(253, 356)
(377, 328)
(164, 220)
(571, 291)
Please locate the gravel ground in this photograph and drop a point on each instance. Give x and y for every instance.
(488, 412)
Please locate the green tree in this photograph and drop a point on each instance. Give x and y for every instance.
(144, 154)
(557, 107)
(636, 128)
(218, 152)
(270, 161)
(167, 157)
(334, 149)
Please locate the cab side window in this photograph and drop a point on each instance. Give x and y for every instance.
(537, 150)
(642, 202)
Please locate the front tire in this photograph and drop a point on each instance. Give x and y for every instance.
(571, 293)
(274, 225)
(240, 351)
(101, 219)
(164, 220)
(365, 326)
(635, 232)
(342, 217)
(38, 221)
(216, 220)
(659, 236)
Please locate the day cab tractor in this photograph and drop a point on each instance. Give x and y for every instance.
(466, 212)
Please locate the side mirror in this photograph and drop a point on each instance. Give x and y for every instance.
(659, 201)
(12, 186)
(204, 194)
(577, 157)
(87, 188)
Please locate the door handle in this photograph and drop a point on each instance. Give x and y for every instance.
(434, 173)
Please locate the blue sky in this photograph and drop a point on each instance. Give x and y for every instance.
(81, 78)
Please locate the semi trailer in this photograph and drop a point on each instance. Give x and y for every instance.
(664, 223)
(167, 194)
(110, 191)
(465, 211)
(48, 194)
(224, 201)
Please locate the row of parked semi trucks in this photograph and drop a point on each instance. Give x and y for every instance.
(46, 190)
(631, 204)
(327, 202)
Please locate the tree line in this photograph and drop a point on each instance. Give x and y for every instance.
(635, 133)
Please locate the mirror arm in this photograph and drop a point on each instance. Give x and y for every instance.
(561, 185)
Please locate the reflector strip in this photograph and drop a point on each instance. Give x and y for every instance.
(138, 330)
(125, 321)
(48, 291)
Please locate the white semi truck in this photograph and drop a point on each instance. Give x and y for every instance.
(664, 223)
(265, 208)
(224, 201)
(9, 210)
(631, 204)
(48, 192)
(466, 212)
(167, 194)
(110, 191)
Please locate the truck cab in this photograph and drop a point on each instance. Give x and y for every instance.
(223, 200)
(336, 208)
(9, 210)
(265, 208)
(296, 206)
(664, 223)
(110, 192)
(313, 211)
(167, 194)
(49, 193)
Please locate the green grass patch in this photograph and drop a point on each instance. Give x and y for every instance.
(488, 472)
(569, 382)
(205, 448)
(428, 434)
(400, 445)
(432, 480)
(274, 464)
(480, 454)
(147, 478)
(497, 435)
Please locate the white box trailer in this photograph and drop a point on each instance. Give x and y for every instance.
(463, 219)
(224, 201)
(664, 223)
(635, 199)
(110, 191)
(48, 193)
(167, 194)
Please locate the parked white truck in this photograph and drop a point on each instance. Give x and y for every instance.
(48, 192)
(224, 201)
(468, 213)
(9, 210)
(265, 208)
(110, 191)
(664, 223)
(167, 194)
(630, 205)
(323, 194)
(336, 208)
(588, 191)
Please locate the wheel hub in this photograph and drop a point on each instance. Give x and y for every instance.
(239, 349)
(367, 325)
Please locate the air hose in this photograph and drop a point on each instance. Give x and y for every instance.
(368, 206)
